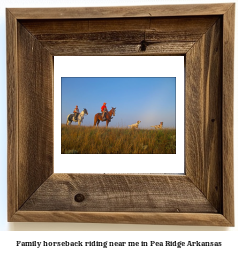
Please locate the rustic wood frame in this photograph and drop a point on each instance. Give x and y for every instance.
(204, 34)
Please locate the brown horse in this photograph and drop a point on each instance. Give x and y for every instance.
(108, 115)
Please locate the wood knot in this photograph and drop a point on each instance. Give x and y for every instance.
(143, 45)
(79, 198)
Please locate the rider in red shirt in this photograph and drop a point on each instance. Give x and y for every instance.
(103, 109)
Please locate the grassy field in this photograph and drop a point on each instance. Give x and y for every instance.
(101, 140)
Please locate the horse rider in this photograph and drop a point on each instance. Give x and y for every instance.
(103, 109)
(76, 112)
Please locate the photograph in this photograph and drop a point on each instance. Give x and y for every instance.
(118, 115)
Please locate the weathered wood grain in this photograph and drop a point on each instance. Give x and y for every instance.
(12, 114)
(114, 193)
(227, 113)
(174, 36)
(177, 25)
(190, 219)
(121, 11)
(72, 48)
(35, 109)
(203, 119)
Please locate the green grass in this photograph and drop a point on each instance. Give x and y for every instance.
(101, 140)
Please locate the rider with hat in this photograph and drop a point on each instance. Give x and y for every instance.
(103, 109)
(76, 112)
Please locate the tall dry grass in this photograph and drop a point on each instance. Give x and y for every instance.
(101, 140)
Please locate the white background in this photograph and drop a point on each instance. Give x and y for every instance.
(159, 66)
(7, 239)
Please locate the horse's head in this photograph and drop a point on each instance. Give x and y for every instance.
(113, 110)
(85, 111)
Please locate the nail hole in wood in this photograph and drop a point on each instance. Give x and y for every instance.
(79, 198)
(213, 120)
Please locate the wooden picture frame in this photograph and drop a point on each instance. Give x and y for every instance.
(204, 34)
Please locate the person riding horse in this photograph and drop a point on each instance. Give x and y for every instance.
(104, 110)
(76, 112)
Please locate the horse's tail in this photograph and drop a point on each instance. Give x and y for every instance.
(95, 120)
(68, 119)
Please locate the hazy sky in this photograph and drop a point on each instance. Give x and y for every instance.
(150, 100)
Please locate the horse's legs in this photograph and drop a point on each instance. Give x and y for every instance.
(79, 122)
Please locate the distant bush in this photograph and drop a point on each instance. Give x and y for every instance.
(101, 140)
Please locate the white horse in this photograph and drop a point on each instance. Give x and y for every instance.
(79, 119)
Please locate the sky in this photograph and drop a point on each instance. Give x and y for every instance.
(150, 100)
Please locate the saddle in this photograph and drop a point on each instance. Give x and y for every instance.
(105, 116)
(76, 117)
(105, 113)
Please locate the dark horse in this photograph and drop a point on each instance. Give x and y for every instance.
(108, 115)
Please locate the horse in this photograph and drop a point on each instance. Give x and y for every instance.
(108, 116)
(71, 117)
